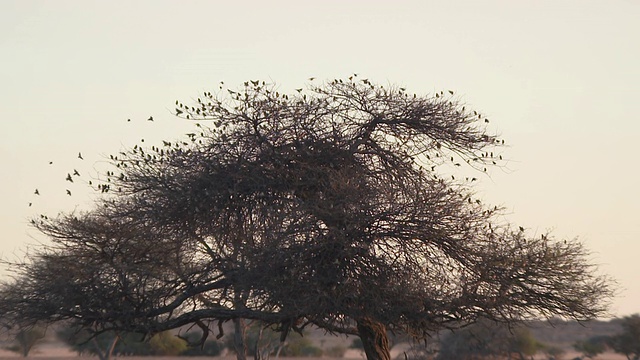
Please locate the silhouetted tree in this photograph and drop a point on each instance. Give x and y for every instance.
(628, 341)
(329, 206)
(591, 347)
(488, 340)
(26, 339)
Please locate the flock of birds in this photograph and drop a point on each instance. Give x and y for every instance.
(75, 173)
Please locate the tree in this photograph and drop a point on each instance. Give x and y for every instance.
(334, 206)
(165, 344)
(209, 348)
(26, 339)
(628, 341)
(81, 341)
(591, 347)
(554, 352)
(106, 344)
(487, 339)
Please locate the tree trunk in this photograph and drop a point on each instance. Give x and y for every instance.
(374, 339)
(239, 340)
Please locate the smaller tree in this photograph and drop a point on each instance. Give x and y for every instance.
(522, 343)
(591, 347)
(487, 339)
(104, 344)
(628, 341)
(209, 348)
(554, 352)
(299, 346)
(26, 340)
(82, 341)
(166, 344)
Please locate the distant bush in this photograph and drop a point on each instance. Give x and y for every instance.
(300, 347)
(337, 351)
(356, 344)
(210, 347)
(167, 344)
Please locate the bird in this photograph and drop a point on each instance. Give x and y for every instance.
(128, 120)
(75, 172)
(312, 78)
(451, 92)
(150, 118)
(30, 204)
(50, 162)
(68, 192)
(37, 192)
(178, 111)
(69, 179)
(80, 156)
(521, 228)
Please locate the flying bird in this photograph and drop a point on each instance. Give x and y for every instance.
(50, 162)
(150, 118)
(30, 204)
(69, 179)
(80, 156)
(75, 172)
(521, 228)
(68, 192)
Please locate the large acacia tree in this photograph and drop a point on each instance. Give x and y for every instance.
(331, 206)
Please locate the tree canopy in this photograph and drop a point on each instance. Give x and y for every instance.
(627, 342)
(326, 207)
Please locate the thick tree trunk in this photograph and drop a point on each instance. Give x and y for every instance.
(374, 339)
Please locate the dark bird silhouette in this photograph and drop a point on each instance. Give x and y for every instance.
(80, 156)
(37, 192)
(68, 192)
(30, 204)
(50, 162)
(150, 118)
(451, 92)
(69, 179)
(521, 228)
(75, 172)
(128, 120)
(312, 78)
(178, 111)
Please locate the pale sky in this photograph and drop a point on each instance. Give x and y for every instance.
(559, 80)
